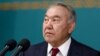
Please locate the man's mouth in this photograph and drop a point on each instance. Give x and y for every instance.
(49, 33)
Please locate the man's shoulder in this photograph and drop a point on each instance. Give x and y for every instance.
(36, 50)
(38, 46)
(82, 48)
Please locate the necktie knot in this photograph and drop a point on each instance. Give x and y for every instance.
(55, 51)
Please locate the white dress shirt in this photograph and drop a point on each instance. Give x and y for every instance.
(63, 48)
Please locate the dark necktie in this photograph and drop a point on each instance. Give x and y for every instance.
(54, 51)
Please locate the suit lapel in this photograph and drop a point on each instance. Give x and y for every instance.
(74, 49)
(43, 50)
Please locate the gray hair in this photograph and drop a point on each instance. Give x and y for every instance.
(69, 8)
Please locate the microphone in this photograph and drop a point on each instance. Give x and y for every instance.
(10, 45)
(22, 46)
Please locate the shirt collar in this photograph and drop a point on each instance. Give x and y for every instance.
(63, 48)
(49, 48)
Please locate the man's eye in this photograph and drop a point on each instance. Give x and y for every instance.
(56, 19)
(45, 19)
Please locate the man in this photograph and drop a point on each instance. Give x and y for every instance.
(59, 22)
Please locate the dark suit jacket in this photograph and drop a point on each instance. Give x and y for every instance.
(76, 49)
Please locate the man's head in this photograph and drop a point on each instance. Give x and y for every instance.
(59, 22)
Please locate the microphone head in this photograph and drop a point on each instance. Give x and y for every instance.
(12, 44)
(24, 43)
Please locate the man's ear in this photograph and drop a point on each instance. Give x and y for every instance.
(71, 27)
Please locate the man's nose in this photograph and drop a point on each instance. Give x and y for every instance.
(49, 24)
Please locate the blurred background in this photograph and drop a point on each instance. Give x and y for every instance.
(23, 19)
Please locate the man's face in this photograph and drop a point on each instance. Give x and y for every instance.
(55, 26)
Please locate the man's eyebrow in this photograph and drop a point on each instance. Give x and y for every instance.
(56, 16)
(46, 15)
(53, 16)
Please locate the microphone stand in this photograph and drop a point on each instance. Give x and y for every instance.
(2, 53)
(16, 53)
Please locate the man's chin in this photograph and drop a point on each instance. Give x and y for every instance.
(49, 35)
(49, 40)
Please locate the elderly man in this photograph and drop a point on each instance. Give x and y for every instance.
(59, 22)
